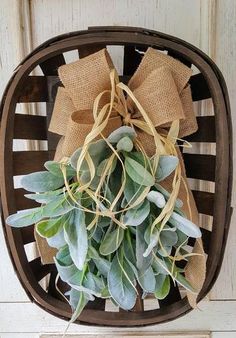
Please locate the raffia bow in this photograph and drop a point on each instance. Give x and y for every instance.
(157, 103)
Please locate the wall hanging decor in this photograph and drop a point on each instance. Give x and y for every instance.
(108, 202)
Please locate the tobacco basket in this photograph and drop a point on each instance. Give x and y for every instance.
(208, 87)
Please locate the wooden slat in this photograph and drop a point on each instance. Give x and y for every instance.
(131, 60)
(179, 57)
(206, 237)
(50, 66)
(22, 202)
(30, 127)
(27, 234)
(87, 50)
(206, 130)
(40, 270)
(199, 87)
(204, 201)
(34, 89)
(200, 166)
(97, 304)
(26, 162)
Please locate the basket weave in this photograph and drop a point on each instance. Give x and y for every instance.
(216, 129)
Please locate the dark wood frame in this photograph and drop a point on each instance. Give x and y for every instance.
(209, 83)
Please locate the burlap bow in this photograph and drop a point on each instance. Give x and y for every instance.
(160, 85)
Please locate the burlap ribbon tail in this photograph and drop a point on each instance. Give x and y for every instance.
(160, 85)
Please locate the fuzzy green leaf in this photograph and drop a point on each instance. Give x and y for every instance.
(45, 197)
(121, 132)
(103, 164)
(121, 283)
(168, 238)
(111, 241)
(157, 198)
(185, 225)
(136, 216)
(146, 279)
(97, 150)
(138, 173)
(125, 144)
(80, 306)
(132, 190)
(166, 194)
(57, 241)
(50, 227)
(180, 279)
(41, 181)
(166, 166)
(102, 264)
(60, 205)
(162, 292)
(55, 168)
(25, 217)
(75, 233)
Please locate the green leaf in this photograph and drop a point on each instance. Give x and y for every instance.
(60, 205)
(132, 190)
(75, 233)
(111, 240)
(178, 202)
(85, 290)
(166, 166)
(146, 279)
(129, 247)
(55, 168)
(185, 225)
(94, 283)
(105, 293)
(80, 306)
(74, 297)
(164, 290)
(168, 238)
(160, 278)
(138, 173)
(57, 241)
(151, 239)
(26, 217)
(102, 264)
(41, 181)
(165, 251)
(183, 281)
(67, 270)
(160, 266)
(182, 238)
(103, 164)
(44, 197)
(157, 198)
(142, 262)
(136, 216)
(85, 178)
(121, 132)
(125, 144)
(50, 227)
(98, 151)
(121, 282)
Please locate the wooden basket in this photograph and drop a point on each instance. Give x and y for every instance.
(215, 129)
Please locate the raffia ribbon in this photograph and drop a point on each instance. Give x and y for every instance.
(160, 85)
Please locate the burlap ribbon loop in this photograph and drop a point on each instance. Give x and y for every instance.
(159, 88)
(159, 84)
